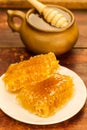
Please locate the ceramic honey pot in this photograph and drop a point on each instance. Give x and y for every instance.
(41, 37)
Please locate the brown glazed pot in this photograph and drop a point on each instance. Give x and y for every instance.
(38, 40)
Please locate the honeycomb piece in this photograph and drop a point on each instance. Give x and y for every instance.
(35, 69)
(46, 97)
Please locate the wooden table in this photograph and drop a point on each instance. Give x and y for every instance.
(12, 50)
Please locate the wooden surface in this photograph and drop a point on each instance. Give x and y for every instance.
(13, 50)
(74, 4)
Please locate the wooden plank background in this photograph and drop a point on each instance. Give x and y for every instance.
(72, 4)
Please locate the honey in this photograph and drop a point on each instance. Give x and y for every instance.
(48, 96)
(35, 69)
(38, 85)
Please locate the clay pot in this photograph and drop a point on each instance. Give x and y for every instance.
(43, 40)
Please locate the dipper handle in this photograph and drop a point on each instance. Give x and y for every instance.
(51, 15)
(37, 5)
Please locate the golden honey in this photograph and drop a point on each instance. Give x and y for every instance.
(46, 97)
(35, 69)
(38, 86)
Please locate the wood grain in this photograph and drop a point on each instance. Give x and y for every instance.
(72, 4)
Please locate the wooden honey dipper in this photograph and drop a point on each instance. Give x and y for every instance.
(51, 15)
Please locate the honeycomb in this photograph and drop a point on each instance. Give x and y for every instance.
(38, 86)
(30, 71)
(46, 97)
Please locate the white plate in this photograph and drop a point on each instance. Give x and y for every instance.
(10, 106)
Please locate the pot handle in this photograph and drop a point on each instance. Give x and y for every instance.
(12, 24)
